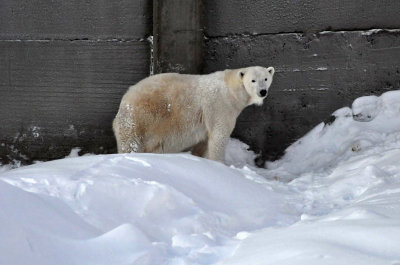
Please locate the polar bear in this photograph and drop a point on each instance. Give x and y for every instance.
(170, 113)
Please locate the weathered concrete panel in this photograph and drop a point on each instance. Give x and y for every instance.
(315, 75)
(75, 19)
(225, 17)
(60, 94)
(178, 36)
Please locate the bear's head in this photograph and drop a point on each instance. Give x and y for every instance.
(257, 80)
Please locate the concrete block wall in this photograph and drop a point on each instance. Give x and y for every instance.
(326, 54)
(64, 66)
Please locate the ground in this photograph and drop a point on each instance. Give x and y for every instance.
(332, 199)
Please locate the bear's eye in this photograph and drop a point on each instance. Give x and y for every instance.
(253, 81)
(266, 79)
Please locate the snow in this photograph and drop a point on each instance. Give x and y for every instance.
(332, 199)
(362, 32)
(375, 31)
(159, 208)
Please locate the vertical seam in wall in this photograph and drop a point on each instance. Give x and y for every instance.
(150, 40)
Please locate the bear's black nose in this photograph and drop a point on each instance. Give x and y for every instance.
(263, 92)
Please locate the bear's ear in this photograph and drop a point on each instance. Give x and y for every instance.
(271, 70)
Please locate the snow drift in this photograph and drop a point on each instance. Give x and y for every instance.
(141, 208)
(337, 202)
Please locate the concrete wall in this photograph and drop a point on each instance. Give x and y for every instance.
(305, 16)
(178, 39)
(317, 72)
(64, 66)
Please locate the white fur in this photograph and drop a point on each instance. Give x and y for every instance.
(169, 113)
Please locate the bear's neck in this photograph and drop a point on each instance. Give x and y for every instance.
(237, 94)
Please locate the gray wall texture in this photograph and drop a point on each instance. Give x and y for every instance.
(64, 66)
(317, 71)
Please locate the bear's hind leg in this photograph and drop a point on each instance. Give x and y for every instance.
(117, 135)
(132, 145)
(127, 139)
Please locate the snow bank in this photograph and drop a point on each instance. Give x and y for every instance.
(337, 203)
(346, 176)
(153, 209)
(4, 168)
(370, 127)
(350, 216)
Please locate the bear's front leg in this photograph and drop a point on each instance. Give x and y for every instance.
(216, 145)
(200, 149)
